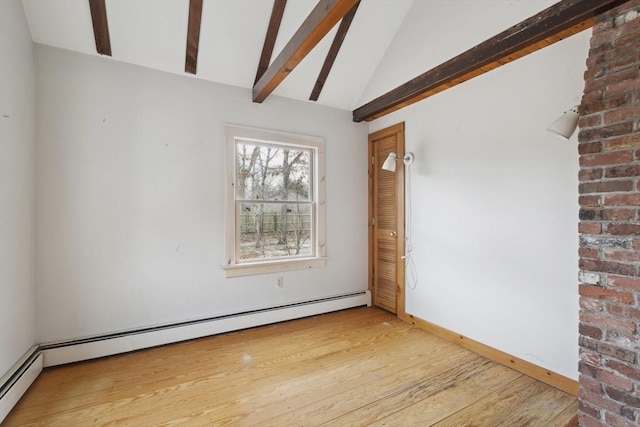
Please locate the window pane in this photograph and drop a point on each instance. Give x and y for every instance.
(275, 230)
(270, 172)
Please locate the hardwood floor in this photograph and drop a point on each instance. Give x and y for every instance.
(360, 367)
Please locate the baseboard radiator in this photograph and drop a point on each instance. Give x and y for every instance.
(21, 376)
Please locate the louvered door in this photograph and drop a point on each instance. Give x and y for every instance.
(386, 211)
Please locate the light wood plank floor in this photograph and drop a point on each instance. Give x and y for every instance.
(359, 367)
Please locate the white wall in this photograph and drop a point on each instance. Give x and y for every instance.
(17, 193)
(130, 197)
(494, 195)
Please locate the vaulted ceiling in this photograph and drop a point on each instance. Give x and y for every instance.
(327, 51)
(153, 34)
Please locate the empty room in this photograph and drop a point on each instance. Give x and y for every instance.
(320, 212)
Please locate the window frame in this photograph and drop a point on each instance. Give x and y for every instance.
(233, 267)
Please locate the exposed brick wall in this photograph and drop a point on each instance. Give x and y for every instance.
(609, 147)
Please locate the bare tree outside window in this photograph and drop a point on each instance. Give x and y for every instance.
(274, 200)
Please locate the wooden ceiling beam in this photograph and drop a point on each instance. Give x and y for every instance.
(563, 19)
(100, 26)
(322, 18)
(333, 52)
(193, 36)
(270, 39)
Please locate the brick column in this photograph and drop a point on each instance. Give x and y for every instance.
(609, 147)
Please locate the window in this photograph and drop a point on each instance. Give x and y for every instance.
(275, 210)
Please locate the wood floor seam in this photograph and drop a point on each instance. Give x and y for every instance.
(355, 367)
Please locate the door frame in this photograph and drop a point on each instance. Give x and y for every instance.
(398, 130)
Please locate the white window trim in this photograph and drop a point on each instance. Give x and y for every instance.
(231, 266)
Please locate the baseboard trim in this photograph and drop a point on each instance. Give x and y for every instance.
(534, 371)
(65, 352)
(573, 422)
(16, 382)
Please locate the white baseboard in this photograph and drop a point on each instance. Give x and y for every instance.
(75, 351)
(16, 384)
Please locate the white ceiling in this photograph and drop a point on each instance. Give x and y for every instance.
(152, 33)
(389, 41)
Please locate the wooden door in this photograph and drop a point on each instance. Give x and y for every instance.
(386, 220)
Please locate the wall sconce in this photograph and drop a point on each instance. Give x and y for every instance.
(565, 125)
(390, 163)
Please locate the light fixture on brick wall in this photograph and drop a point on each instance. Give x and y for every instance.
(565, 125)
(390, 163)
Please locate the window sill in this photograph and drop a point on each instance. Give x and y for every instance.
(239, 270)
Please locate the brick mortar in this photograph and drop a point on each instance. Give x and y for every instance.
(609, 227)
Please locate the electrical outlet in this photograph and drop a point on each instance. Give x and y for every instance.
(280, 282)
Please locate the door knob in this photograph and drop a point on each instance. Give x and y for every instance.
(393, 234)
